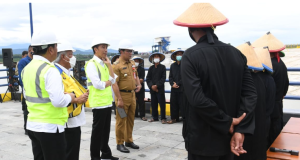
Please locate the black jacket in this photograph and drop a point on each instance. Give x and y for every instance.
(175, 76)
(281, 78)
(255, 145)
(141, 74)
(218, 86)
(156, 76)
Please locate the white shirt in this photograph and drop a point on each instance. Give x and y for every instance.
(92, 72)
(55, 89)
(79, 120)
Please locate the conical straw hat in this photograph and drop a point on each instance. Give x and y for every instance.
(161, 55)
(173, 57)
(201, 15)
(271, 41)
(265, 58)
(141, 60)
(252, 59)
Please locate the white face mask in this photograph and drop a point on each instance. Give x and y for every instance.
(72, 61)
(156, 60)
(137, 64)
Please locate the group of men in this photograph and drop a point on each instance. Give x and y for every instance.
(56, 100)
(230, 98)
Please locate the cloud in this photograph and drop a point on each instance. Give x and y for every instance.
(141, 22)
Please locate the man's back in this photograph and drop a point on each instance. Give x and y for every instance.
(218, 87)
(281, 78)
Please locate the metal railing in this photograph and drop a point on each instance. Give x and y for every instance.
(291, 69)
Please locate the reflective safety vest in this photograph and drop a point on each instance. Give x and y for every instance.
(71, 85)
(37, 98)
(97, 97)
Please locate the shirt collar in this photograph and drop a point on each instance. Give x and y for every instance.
(122, 61)
(38, 57)
(98, 60)
(28, 58)
(67, 71)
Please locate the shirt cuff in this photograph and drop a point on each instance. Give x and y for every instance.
(113, 80)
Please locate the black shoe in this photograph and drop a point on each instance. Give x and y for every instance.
(132, 145)
(114, 158)
(122, 148)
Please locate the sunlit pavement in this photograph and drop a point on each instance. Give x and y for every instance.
(157, 141)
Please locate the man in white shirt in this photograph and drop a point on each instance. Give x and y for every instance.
(64, 62)
(45, 99)
(100, 77)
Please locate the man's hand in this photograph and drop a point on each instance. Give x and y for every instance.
(120, 103)
(236, 121)
(236, 144)
(154, 87)
(108, 83)
(106, 61)
(138, 88)
(175, 85)
(82, 99)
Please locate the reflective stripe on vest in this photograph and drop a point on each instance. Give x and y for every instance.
(97, 97)
(99, 75)
(40, 107)
(38, 89)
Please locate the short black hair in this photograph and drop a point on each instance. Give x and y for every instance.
(95, 46)
(121, 50)
(39, 51)
(29, 46)
(24, 52)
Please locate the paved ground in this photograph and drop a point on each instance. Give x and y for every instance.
(157, 141)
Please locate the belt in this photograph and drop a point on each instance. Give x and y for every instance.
(128, 91)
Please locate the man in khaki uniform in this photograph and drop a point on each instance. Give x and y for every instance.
(127, 84)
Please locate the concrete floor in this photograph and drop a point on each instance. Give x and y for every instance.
(157, 141)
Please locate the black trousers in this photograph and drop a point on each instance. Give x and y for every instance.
(73, 136)
(176, 105)
(48, 146)
(25, 111)
(229, 156)
(100, 134)
(114, 107)
(155, 99)
(276, 123)
(140, 104)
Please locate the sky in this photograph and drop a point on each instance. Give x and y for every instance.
(142, 21)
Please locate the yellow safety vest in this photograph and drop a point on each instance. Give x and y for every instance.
(97, 97)
(71, 85)
(37, 98)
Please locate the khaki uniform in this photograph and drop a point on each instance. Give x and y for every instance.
(126, 82)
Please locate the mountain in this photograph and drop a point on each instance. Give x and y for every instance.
(19, 48)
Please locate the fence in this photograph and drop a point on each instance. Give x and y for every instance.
(292, 83)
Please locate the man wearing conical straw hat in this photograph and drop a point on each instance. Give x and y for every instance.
(140, 96)
(176, 84)
(219, 93)
(155, 79)
(255, 144)
(280, 77)
(264, 57)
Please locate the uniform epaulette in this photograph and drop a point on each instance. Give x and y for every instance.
(116, 62)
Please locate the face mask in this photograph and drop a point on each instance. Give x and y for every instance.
(137, 64)
(156, 60)
(72, 61)
(178, 58)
